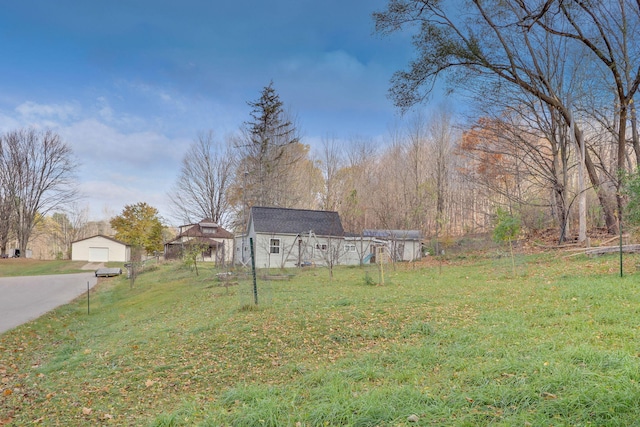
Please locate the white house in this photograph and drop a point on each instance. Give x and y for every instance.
(290, 237)
(397, 245)
(358, 249)
(100, 249)
(215, 242)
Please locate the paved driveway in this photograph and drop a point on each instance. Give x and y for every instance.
(29, 297)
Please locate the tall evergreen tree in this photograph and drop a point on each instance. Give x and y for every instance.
(269, 150)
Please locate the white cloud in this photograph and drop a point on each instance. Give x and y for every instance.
(120, 168)
(104, 109)
(31, 110)
(112, 196)
(123, 158)
(94, 139)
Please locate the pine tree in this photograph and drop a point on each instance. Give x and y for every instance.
(269, 151)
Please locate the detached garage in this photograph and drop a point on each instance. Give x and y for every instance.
(99, 249)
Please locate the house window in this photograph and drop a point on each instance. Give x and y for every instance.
(208, 230)
(274, 246)
(322, 247)
(349, 248)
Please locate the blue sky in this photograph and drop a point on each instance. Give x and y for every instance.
(130, 84)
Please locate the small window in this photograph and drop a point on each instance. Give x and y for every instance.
(349, 248)
(274, 246)
(322, 247)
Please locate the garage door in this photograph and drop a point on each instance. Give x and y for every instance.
(98, 254)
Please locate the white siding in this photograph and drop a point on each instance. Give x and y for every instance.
(362, 246)
(291, 249)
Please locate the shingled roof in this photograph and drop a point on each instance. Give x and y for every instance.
(393, 234)
(196, 231)
(296, 221)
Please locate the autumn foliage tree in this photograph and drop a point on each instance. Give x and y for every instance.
(493, 159)
(140, 226)
(525, 167)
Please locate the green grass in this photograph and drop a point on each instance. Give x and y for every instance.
(462, 345)
(30, 267)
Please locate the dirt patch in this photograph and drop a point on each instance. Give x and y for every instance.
(93, 266)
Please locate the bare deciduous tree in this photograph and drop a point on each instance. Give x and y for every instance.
(331, 160)
(37, 172)
(416, 162)
(201, 190)
(441, 131)
(65, 228)
(356, 205)
(505, 41)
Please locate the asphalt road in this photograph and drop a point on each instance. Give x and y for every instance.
(29, 297)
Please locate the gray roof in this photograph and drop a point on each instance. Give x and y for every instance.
(296, 221)
(393, 234)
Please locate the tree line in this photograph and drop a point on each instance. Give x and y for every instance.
(558, 81)
(429, 173)
(550, 133)
(419, 177)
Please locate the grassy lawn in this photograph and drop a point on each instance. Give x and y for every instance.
(460, 344)
(31, 267)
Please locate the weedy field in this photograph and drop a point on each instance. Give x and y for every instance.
(453, 344)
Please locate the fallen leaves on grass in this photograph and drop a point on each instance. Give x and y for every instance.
(7, 419)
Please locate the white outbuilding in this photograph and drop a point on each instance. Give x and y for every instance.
(100, 249)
